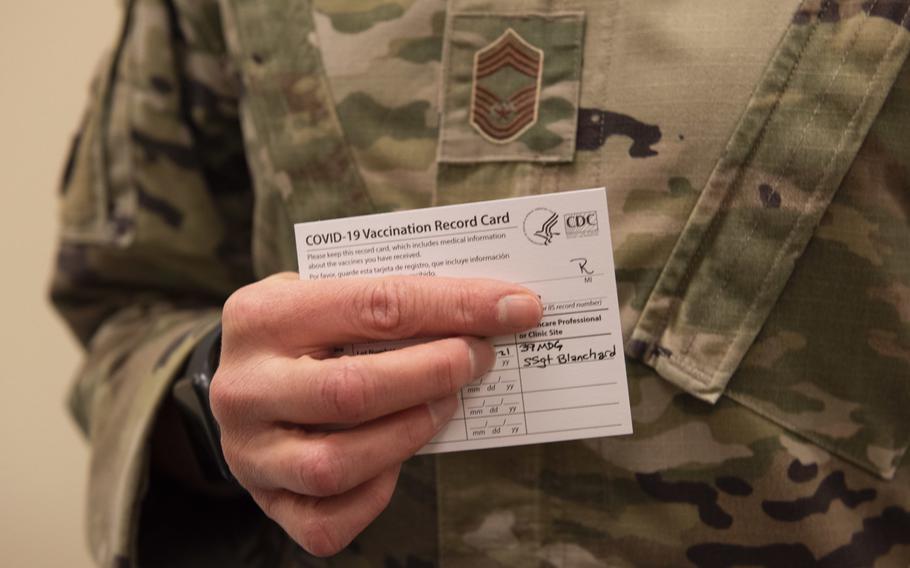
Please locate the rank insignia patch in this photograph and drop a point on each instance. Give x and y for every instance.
(511, 86)
(505, 96)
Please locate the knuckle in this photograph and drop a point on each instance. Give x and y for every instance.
(240, 387)
(464, 314)
(415, 433)
(344, 389)
(451, 369)
(239, 306)
(238, 461)
(244, 313)
(235, 392)
(380, 499)
(236, 446)
(321, 472)
(233, 456)
(267, 502)
(319, 536)
(385, 308)
(225, 398)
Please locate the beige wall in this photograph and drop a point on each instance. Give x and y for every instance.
(47, 53)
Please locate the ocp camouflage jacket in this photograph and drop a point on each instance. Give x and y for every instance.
(757, 161)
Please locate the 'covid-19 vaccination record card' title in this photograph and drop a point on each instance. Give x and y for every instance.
(565, 379)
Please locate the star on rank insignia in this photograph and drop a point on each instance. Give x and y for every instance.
(506, 88)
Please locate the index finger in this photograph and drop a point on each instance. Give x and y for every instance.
(332, 312)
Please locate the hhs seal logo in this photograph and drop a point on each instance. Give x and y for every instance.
(539, 224)
(505, 94)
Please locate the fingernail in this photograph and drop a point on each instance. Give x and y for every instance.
(482, 356)
(519, 311)
(441, 410)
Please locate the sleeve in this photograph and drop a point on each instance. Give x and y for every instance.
(156, 206)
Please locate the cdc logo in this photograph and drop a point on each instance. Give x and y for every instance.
(581, 224)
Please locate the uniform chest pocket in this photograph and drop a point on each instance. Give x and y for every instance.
(510, 87)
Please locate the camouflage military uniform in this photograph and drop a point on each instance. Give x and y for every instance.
(757, 160)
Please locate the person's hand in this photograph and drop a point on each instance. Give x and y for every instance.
(280, 398)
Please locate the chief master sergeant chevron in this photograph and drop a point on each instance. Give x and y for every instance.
(758, 173)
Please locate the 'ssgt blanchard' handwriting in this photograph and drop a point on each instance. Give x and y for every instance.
(549, 360)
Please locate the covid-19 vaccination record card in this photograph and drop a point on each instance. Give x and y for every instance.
(565, 379)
